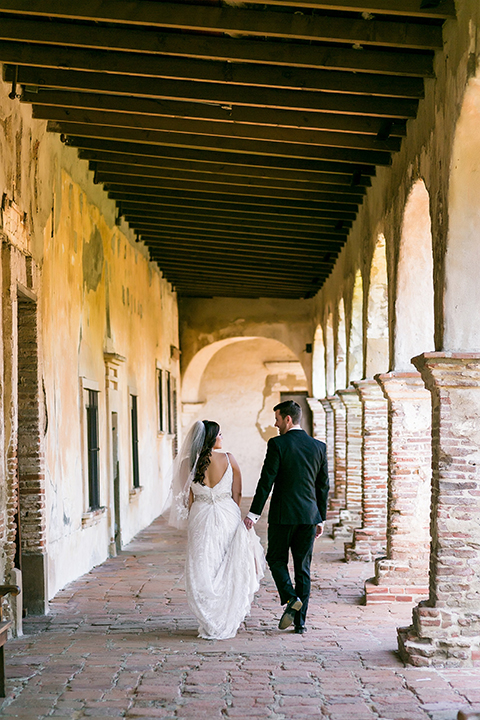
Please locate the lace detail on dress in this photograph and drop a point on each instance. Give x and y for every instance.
(225, 561)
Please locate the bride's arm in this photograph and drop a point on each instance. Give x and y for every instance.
(237, 480)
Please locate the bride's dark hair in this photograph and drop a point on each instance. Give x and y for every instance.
(211, 433)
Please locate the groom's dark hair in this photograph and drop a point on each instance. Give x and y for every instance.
(290, 407)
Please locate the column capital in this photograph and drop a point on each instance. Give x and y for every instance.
(399, 386)
(326, 405)
(314, 404)
(369, 390)
(447, 369)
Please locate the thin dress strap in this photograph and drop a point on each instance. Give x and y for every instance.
(228, 460)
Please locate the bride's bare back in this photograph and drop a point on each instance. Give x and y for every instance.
(216, 469)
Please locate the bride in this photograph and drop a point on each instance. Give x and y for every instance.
(225, 561)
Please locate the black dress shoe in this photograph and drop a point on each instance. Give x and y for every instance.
(300, 629)
(288, 616)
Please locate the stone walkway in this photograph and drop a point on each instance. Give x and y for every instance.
(121, 642)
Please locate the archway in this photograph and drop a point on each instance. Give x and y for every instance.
(414, 308)
(340, 353)
(355, 339)
(237, 383)
(462, 289)
(330, 356)
(377, 351)
(318, 374)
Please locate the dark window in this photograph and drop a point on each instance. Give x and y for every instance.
(175, 418)
(161, 418)
(169, 403)
(93, 451)
(136, 474)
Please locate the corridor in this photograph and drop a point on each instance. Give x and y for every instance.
(120, 642)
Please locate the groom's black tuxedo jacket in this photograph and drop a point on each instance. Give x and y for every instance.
(296, 467)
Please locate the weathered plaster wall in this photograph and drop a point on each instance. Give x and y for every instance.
(205, 321)
(239, 388)
(97, 293)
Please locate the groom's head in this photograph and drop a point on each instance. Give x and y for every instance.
(287, 414)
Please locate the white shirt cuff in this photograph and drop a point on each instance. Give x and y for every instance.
(254, 518)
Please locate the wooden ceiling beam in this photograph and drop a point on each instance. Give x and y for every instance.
(246, 21)
(443, 9)
(219, 217)
(200, 46)
(210, 71)
(222, 144)
(318, 241)
(178, 126)
(242, 160)
(219, 259)
(223, 94)
(103, 171)
(147, 185)
(152, 198)
(224, 269)
(294, 254)
(276, 230)
(361, 124)
(157, 166)
(273, 209)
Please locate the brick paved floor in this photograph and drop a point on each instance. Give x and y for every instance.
(121, 642)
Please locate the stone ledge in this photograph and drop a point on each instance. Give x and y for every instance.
(394, 593)
(92, 517)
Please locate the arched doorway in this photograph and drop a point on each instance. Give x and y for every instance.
(237, 383)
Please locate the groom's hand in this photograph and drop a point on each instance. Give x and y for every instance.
(319, 530)
(248, 523)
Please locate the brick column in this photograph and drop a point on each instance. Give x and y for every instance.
(339, 451)
(403, 575)
(329, 439)
(318, 416)
(446, 629)
(351, 514)
(370, 540)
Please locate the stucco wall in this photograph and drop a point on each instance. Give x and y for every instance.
(238, 389)
(97, 293)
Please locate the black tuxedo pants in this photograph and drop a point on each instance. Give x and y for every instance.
(299, 540)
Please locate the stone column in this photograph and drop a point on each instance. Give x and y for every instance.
(351, 514)
(337, 493)
(370, 540)
(446, 629)
(329, 439)
(318, 416)
(403, 574)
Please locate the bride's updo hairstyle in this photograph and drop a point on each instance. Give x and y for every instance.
(211, 433)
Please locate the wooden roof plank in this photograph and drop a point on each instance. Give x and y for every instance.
(248, 22)
(305, 120)
(222, 144)
(293, 54)
(223, 94)
(140, 164)
(208, 156)
(178, 68)
(217, 129)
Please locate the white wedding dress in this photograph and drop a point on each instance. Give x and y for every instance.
(225, 561)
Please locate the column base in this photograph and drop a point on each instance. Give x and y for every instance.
(349, 521)
(366, 546)
(395, 581)
(440, 637)
(376, 593)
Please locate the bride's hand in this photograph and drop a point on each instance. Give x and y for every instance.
(248, 523)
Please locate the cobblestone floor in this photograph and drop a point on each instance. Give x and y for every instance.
(121, 642)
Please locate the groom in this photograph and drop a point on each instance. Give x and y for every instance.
(296, 467)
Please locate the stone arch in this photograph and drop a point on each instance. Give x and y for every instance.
(340, 349)
(377, 351)
(355, 337)
(462, 289)
(414, 303)
(329, 356)
(237, 383)
(318, 374)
